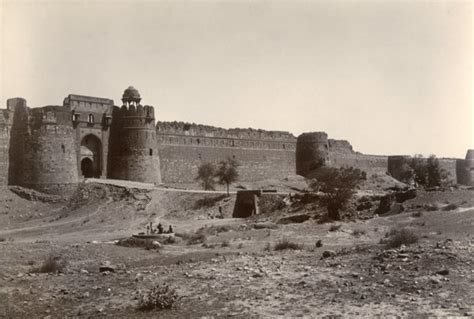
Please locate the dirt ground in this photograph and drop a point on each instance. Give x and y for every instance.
(234, 270)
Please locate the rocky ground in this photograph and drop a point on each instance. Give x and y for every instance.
(232, 268)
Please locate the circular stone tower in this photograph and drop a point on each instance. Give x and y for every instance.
(133, 153)
(44, 145)
(469, 165)
(312, 152)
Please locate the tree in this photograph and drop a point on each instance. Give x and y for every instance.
(227, 172)
(338, 186)
(206, 175)
(435, 173)
(427, 172)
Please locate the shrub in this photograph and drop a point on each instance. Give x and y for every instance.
(268, 247)
(396, 238)
(160, 297)
(206, 173)
(417, 214)
(208, 201)
(450, 207)
(287, 244)
(225, 243)
(338, 186)
(52, 264)
(227, 173)
(137, 242)
(197, 238)
(358, 232)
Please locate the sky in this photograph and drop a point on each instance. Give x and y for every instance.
(392, 77)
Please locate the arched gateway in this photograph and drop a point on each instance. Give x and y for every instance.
(91, 159)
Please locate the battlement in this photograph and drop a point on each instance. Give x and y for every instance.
(192, 129)
(147, 111)
(49, 115)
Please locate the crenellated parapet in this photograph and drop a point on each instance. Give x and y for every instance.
(181, 133)
(42, 151)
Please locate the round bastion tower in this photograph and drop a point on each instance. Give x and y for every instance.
(133, 153)
(43, 149)
(312, 152)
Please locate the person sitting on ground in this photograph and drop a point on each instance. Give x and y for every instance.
(170, 230)
(160, 228)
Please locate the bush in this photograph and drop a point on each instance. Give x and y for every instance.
(287, 244)
(137, 242)
(52, 264)
(160, 297)
(450, 207)
(338, 186)
(197, 238)
(206, 173)
(225, 243)
(208, 201)
(396, 238)
(358, 232)
(417, 214)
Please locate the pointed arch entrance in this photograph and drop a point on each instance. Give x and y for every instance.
(91, 159)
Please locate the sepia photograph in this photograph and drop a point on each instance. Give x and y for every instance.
(236, 159)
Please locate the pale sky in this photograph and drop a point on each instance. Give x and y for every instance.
(391, 77)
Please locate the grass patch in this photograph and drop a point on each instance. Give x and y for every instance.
(52, 264)
(397, 237)
(158, 298)
(285, 244)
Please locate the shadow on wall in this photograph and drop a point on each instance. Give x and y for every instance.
(16, 168)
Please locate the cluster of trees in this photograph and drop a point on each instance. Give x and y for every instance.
(338, 185)
(225, 173)
(424, 172)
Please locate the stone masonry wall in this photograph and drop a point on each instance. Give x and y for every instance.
(179, 163)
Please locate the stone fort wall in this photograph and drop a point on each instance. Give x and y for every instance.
(42, 149)
(183, 147)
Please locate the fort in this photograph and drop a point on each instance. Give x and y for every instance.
(52, 148)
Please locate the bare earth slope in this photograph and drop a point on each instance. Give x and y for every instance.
(233, 270)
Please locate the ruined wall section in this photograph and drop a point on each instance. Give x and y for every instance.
(465, 169)
(183, 147)
(42, 150)
(6, 121)
(371, 164)
(133, 152)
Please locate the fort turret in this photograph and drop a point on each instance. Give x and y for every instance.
(42, 156)
(133, 153)
(312, 152)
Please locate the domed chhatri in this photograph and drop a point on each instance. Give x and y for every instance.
(131, 96)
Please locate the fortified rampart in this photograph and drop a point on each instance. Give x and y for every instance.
(134, 149)
(51, 148)
(42, 153)
(261, 154)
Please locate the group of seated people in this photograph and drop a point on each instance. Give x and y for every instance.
(158, 230)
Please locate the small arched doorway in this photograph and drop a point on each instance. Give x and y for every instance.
(91, 150)
(87, 167)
